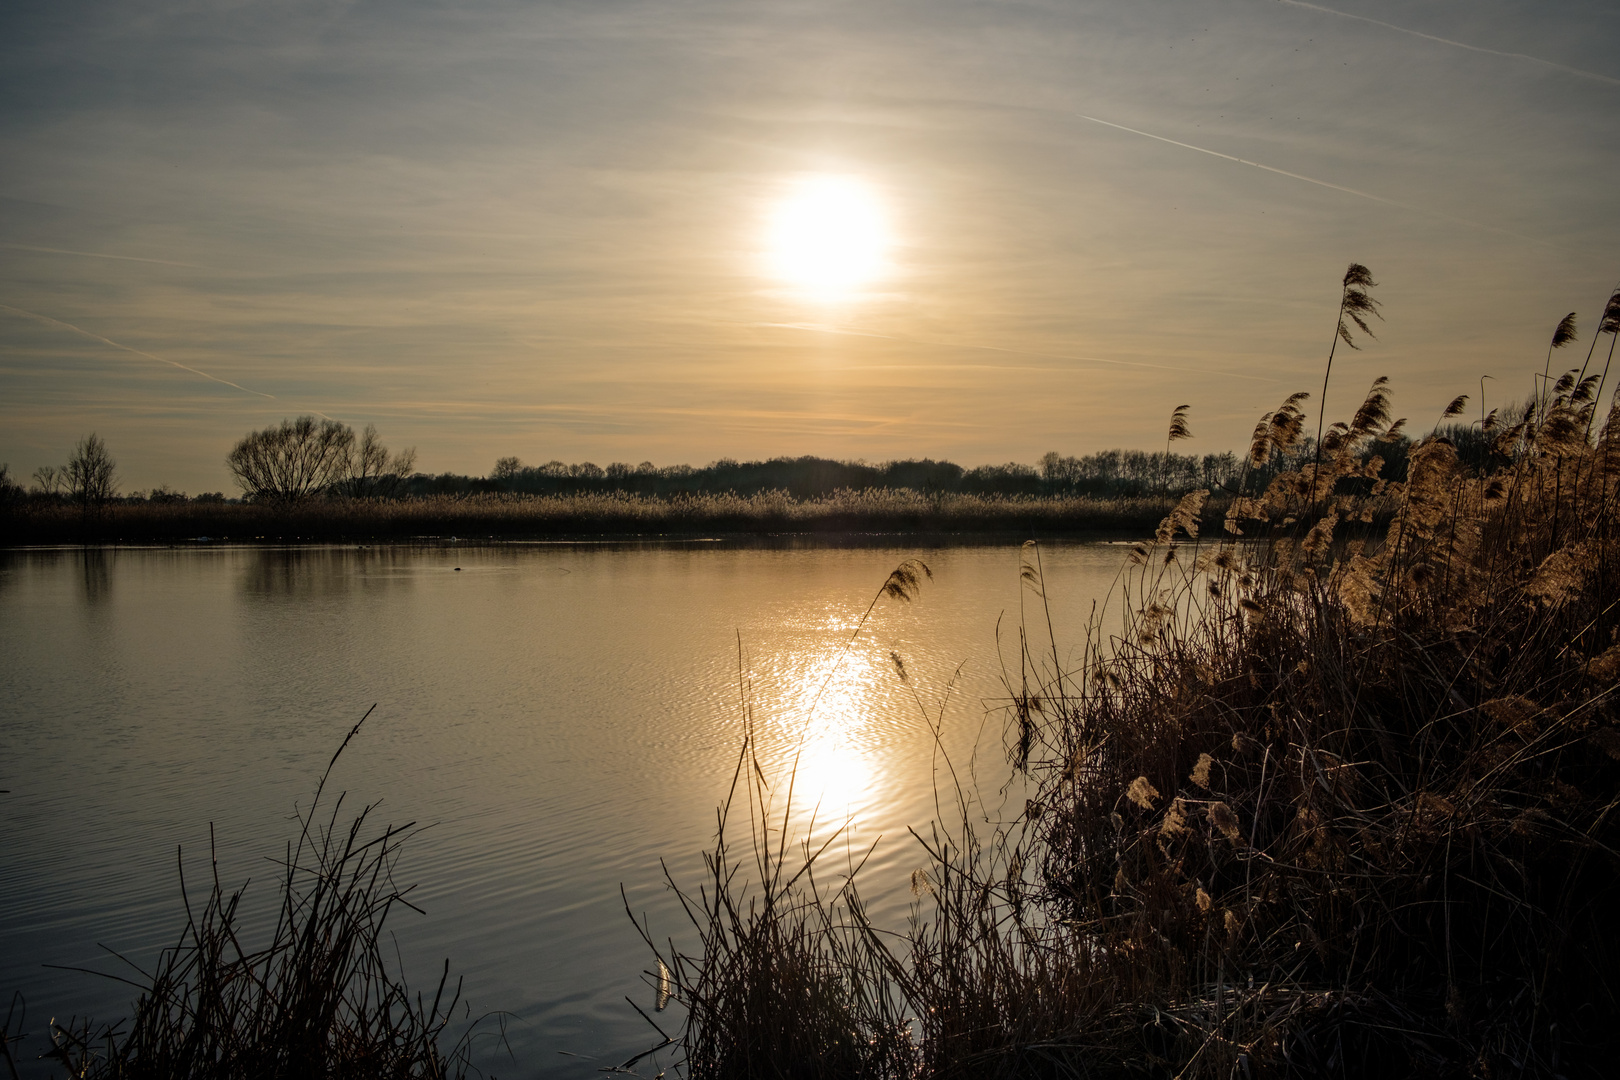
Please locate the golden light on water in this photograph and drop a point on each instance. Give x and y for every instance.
(826, 751)
(834, 771)
(829, 237)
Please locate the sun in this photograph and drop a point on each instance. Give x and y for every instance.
(829, 237)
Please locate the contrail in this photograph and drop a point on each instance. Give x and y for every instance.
(1458, 44)
(128, 349)
(816, 328)
(104, 255)
(1321, 183)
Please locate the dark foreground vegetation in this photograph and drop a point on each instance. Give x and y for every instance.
(1325, 798)
(322, 997)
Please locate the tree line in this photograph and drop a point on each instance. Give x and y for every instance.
(306, 457)
(1111, 473)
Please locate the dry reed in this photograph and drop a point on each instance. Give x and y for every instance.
(609, 513)
(1331, 794)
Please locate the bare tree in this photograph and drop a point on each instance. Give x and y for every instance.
(293, 461)
(370, 470)
(305, 457)
(9, 491)
(91, 472)
(50, 479)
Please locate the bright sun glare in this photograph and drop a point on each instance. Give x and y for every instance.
(828, 236)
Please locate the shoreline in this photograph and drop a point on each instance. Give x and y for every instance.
(755, 540)
(871, 516)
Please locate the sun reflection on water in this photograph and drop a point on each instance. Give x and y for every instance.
(825, 752)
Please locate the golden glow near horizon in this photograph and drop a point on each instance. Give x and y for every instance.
(829, 237)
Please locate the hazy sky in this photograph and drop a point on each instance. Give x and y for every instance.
(538, 228)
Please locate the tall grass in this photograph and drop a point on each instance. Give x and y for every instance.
(1332, 793)
(320, 999)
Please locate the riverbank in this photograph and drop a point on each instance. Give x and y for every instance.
(595, 516)
(1335, 800)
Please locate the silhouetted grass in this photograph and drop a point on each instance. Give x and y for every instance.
(607, 514)
(1332, 794)
(319, 999)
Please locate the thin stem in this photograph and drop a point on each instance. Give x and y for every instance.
(1321, 415)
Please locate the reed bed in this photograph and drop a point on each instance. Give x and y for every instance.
(1332, 793)
(610, 513)
(319, 999)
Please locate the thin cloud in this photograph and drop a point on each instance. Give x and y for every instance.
(108, 341)
(816, 328)
(104, 255)
(1582, 72)
(1321, 183)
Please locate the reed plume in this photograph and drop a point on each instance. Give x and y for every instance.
(1357, 305)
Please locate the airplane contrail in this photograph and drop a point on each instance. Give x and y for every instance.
(1457, 44)
(1321, 183)
(818, 328)
(104, 255)
(128, 349)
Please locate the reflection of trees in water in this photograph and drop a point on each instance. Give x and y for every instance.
(95, 567)
(309, 573)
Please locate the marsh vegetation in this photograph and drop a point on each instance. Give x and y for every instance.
(1330, 793)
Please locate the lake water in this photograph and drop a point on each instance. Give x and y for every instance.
(564, 716)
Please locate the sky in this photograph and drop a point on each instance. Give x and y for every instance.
(545, 229)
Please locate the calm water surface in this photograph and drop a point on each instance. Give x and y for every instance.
(562, 716)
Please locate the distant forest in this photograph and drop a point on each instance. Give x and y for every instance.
(1107, 474)
(1111, 472)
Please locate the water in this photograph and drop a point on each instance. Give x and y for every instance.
(563, 716)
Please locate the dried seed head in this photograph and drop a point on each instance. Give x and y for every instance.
(1200, 773)
(905, 580)
(1356, 303)
(1565, 332)
(1514, 713)
(1204, 901)
(1142, 793)
(1605, 667)
(1221, 816)
(1559, 577)
(1178, 424)
(1175, 821)
(1611, 315)
(1374, 411)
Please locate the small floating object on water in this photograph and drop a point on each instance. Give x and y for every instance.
(458, 569)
